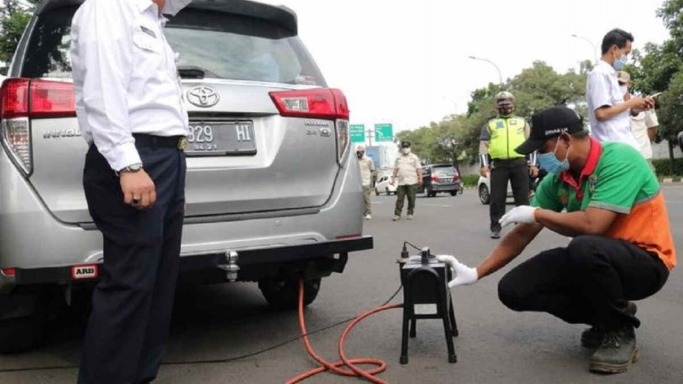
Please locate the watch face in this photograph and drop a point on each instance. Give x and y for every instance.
(135, 167)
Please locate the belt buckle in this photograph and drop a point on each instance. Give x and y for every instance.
(182, 143)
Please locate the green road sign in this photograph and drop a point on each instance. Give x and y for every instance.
(384, 133)
(357, 132)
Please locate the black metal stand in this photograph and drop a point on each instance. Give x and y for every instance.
(425, 283)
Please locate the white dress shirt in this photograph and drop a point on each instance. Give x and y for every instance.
(125, 77)
(640, 125)
(602, 89)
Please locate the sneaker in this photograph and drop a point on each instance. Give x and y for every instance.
(617, 352)
(368, 217)
(592, 337)
(410, 217)
(495, 234)
(396, 218)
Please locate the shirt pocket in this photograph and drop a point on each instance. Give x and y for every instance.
(147, 43)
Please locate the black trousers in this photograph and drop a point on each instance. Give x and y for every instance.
(517, 172)
(589, 282)
(132, 303)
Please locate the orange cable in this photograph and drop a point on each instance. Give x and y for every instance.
(335, 367)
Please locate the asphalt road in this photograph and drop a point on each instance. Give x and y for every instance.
(495, 344)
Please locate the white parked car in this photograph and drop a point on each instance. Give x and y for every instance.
(484, 188)
(384, 185)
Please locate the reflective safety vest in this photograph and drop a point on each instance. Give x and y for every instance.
(506, 135)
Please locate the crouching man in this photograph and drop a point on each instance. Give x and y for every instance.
(622, 248)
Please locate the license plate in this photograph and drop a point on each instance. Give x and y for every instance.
(221, 139)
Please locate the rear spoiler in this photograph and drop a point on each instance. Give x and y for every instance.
(280, 15)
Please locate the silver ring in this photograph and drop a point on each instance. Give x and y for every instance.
(136, 201)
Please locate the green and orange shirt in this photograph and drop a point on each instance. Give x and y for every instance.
(616, 178)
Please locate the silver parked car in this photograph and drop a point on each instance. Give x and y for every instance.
(272, 193)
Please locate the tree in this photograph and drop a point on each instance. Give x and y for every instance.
(660, 69)
(457, 137)
(13, 21)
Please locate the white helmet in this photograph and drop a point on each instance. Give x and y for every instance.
(505, 95)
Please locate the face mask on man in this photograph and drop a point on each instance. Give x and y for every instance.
(172, 7)
(405, 150)
(620, 62)
(360, 154)
(550, 163)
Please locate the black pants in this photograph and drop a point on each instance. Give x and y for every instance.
(133, 301)
(589, 282)
(517, 172)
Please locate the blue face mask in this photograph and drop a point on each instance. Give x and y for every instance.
(550, 163)
(620, 62)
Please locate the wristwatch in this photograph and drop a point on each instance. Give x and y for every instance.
(131, 168)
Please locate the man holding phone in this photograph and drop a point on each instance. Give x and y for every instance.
(609, 110)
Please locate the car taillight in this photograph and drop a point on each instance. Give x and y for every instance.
(22, 99)
(52, 99)
(324, 104)
(8, 271)
(435, 179)
(456, 177)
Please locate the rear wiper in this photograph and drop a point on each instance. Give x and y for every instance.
(191, 73)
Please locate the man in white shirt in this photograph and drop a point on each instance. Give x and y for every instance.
(129, 108)
(366, 167)
(644, 124)
(608, 111)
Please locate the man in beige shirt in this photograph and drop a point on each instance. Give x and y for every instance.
(366, 167)
(409, 172)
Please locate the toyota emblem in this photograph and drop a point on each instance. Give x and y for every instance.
(203, 97)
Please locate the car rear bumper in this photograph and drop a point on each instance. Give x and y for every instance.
(210, 261)
(446, 188)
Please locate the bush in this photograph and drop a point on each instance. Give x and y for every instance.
(663, 167)
(469, 180)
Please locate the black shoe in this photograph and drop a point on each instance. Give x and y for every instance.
(495, 234)
(592, 337)
(617, 352)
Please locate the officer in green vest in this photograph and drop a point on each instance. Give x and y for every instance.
(499, 161)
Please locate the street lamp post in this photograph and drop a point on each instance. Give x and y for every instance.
(500, 75)
(595, 47)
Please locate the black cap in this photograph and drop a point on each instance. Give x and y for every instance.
(405, 144)
(549, 124)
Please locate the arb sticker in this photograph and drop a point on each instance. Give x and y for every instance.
(84, 272)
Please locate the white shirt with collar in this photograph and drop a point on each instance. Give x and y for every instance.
(125, 77)
(640, 125)
(602, 89)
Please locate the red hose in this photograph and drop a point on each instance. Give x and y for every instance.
(351, 364)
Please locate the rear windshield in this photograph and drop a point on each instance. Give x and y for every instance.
(445, 171)
(209, 45)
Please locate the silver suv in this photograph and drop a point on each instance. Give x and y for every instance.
(272, 193)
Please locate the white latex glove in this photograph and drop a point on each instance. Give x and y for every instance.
(522, 214)
(464, 275)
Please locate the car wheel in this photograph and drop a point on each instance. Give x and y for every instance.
(484, 194)
(376, 192)
(283, 293)
(432, 194)
(387, 191)
(454, 193)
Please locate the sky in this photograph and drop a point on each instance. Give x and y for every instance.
(406, 62)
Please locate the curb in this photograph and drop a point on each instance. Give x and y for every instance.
(672, 180)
